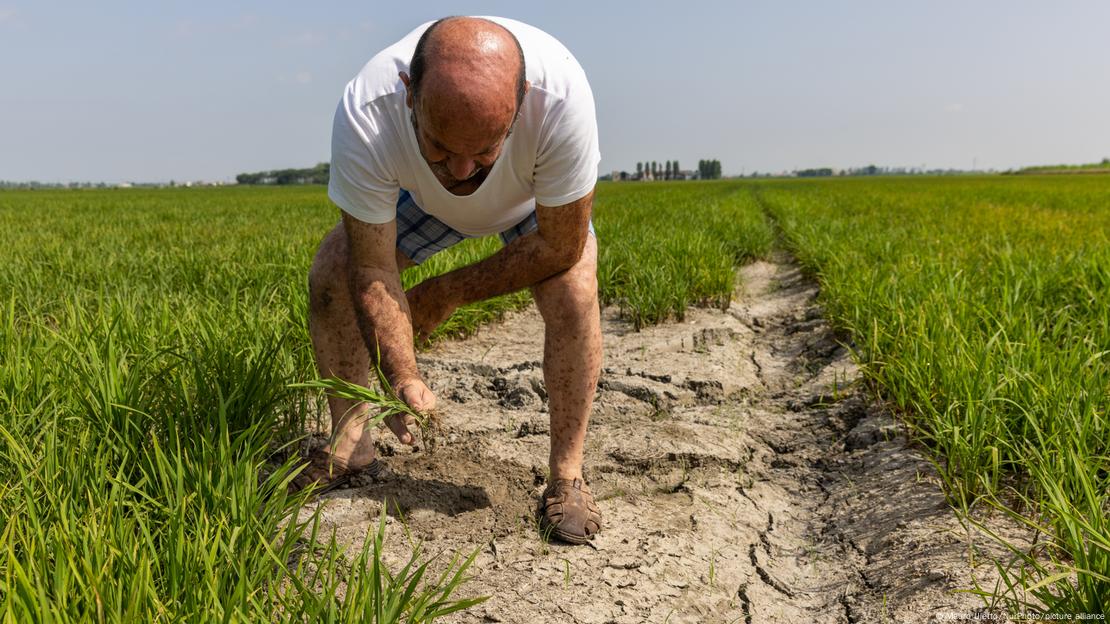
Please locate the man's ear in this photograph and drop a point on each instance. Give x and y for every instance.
(408, 88)
(527, 86)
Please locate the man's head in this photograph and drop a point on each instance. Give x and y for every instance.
(465, 90)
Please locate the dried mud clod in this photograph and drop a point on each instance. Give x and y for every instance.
(431, 429)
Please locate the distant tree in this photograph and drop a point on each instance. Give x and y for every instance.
(315, 175)
(703, 169)
(654, 169)
(667, 170)
(709, 169)
(821, 172)
(675, 168)
(639, 170)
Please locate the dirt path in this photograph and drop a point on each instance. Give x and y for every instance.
(738, 480)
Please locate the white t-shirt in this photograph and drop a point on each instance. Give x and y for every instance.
(550, 158)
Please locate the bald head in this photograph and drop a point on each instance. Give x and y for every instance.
(465, 90)
(469, 60)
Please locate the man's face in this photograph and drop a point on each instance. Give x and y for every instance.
(460, 154)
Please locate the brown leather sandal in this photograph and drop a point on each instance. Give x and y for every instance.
(328, 473)
(375, 472)
(323, 471)
(568, 511)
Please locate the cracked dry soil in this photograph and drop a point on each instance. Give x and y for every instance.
(740, 475)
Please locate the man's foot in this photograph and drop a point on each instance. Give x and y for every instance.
(568, 511)
(322, 470)
(327, 472)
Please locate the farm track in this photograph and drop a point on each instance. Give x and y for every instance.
(741, 477)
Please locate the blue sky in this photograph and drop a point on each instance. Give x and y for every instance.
(153, 91)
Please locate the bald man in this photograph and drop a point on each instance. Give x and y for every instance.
(467, 127)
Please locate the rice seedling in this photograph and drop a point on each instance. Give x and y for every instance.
(384, 401)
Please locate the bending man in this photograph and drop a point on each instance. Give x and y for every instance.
(466, 127)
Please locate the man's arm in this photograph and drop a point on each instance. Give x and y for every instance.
(554, 247)
(383, 312)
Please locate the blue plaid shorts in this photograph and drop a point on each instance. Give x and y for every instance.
(420, 235)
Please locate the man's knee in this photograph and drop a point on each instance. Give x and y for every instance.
(327, 278)
(572, 292)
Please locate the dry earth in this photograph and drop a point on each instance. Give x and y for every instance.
(741, 476)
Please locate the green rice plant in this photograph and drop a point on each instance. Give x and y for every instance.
(373, 593)
(1054, 577)
(383, 403)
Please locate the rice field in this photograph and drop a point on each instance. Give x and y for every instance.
(150, 342)
(980, 310)
(153, 342)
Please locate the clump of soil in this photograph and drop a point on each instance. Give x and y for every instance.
(431, 429)
(740, 475)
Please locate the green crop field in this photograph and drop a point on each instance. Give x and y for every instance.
(150, 339)
(981, 311)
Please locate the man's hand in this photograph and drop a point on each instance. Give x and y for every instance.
(430, 306)
(416, 394)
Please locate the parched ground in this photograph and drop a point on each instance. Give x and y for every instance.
(741, 476)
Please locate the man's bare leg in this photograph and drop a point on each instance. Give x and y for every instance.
(339, 346)
(568, 303)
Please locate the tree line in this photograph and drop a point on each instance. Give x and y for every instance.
(709, 169)
(314, 175)
(670, 170)
(652, 171)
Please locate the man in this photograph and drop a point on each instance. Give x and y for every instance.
(466, 127)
